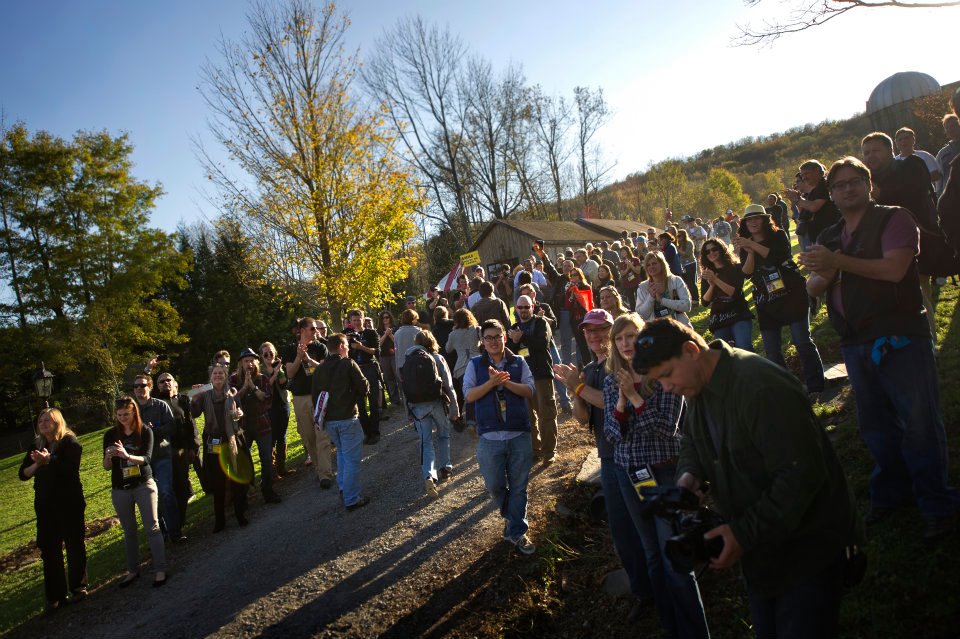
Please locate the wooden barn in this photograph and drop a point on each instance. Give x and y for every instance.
(509, 241)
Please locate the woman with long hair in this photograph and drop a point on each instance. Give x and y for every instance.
(464, 341)
(779, 292)
(687, 250)
(575, 305)
(611, 302)
(279, 411)
(642, 421)
(253, 395)
(127, 449)
(730, 317)
(604, 278)
(662, 294)
(222, 440)
(388, 355)
(54, 465)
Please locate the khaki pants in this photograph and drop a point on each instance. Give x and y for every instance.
(543, 419)
(316, 443)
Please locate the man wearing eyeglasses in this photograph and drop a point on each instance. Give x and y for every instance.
(156, 415)
(501, 383)
(867, 265)
(185, 442)
(533, 333)
(301, 360)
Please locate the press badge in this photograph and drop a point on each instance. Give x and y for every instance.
(131, 471)
(661, 311)
(643, 478)
(215, 446)
(774, 282)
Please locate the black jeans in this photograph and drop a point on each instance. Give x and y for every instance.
(58, 527)
(370, 418)
(690, 279)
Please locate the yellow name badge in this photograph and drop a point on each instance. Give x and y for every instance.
(643, 478)
(774, 283)
(216, 448)
(131, 471)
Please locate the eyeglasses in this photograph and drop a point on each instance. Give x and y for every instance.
(492, 338)
(141, 385)
(839, 186)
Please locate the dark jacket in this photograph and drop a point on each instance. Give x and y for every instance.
(346, 384)
(491, 308)
(156, 415)
(775, 476)
(536, 338)
(185, 434)
(56, 484)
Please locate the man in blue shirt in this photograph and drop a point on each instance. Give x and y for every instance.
(500, 383)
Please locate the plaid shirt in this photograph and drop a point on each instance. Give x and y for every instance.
(648, 437)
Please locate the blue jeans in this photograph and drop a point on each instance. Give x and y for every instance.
(558, 388)
(810, 608)
(427, 416)
(806, 349)
(898, 412)
(675, 593)
(626, 540)
(166, 497)
(739, 334)
(566, 352)
(505, 466)
(347, 436)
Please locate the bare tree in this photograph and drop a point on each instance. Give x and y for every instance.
(416, 73)
(592, 113)
(811, 13)
(551, 121)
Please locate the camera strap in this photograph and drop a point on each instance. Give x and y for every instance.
(712, 430)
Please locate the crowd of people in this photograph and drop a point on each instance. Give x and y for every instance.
(603, 333)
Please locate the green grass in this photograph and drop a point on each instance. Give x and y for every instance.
(21, 589)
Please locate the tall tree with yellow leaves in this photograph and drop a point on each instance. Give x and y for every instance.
(321, 186)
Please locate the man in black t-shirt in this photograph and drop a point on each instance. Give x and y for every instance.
(301, 360)
(816, 210)
(364, 345)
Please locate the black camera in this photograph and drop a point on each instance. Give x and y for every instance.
(687, 549)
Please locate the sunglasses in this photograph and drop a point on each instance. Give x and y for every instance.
(520, 308)
(168, 380)
(141, 385)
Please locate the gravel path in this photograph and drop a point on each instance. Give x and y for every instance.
(405, 565)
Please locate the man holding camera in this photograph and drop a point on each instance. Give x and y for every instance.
(775, 478)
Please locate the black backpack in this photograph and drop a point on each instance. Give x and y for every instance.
(421, 379)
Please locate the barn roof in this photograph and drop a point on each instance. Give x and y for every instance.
(549, 231)
(615, 227)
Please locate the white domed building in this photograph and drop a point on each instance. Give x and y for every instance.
(891, 103)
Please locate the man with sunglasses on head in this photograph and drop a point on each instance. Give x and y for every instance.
(156, 415)
(301, 360)
(501, 383)
(533, 333)
(773, 475)
(184, 444)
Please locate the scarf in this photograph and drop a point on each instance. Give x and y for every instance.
(210, 417)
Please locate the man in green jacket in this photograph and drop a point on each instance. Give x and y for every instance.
(774, 476)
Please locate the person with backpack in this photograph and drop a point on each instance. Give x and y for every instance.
(428, 387)
(340, 377)
(501, 383)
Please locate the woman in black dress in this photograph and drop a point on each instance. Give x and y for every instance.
(54, 465)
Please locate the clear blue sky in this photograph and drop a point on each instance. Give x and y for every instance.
(674, 84)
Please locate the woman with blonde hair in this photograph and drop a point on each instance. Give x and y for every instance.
(662, 294)
(611, 302)
(54, 465)
(127, 450)
(642, 421)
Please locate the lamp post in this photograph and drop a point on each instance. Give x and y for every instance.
(43, 384)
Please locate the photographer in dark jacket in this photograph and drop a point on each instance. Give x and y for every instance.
(346, 386)
(365, 351)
